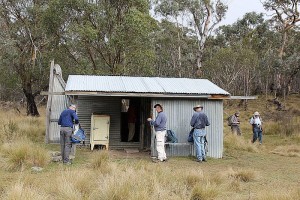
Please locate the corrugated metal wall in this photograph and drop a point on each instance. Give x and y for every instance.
(56, 104)
(107, 106)
(179, 113)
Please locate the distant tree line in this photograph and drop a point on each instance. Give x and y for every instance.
(252, 56)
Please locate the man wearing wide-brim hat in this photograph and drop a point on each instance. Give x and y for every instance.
(199, 121)
(256, 123)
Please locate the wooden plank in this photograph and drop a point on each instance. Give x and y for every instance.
(45, 93)
(243, 97)
(219, 96)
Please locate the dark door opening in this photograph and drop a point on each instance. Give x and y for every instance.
(130, 120)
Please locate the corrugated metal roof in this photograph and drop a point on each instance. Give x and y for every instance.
(125, 84)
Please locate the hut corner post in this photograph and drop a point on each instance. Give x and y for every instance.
(49, 102)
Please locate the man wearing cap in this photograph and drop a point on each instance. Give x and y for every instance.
(235, 123)
(66, 120)
(199, 121)
(160, 131)
(256, 123)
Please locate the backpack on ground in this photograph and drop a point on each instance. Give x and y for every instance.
(170, 137)
(229, 120)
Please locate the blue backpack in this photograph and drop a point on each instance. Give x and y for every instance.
(78, 136)
(190, 136)
(171, 138)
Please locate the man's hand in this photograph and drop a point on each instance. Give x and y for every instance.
(149, 119)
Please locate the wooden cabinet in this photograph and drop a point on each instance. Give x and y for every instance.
(99, 130)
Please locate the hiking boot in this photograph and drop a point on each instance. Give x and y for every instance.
(156, 160)
(204, 160)
(200, 161)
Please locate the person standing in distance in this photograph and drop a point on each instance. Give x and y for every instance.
(160, 131)
(199, 121)
(66, 120)
(235, 123)
(257, 129)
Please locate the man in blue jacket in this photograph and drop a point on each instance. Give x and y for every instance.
(160, 131)
(66, 120)
(199, 121)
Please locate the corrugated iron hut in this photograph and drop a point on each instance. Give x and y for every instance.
(110, 96)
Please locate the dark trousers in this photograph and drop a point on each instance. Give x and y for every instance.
(65, 143)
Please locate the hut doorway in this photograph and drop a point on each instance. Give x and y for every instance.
(130, 119)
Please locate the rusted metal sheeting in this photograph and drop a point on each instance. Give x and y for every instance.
(179, 113)
(123, 84)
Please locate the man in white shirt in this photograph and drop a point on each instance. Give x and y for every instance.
(256, 123)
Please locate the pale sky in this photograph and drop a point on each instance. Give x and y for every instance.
(237, 9)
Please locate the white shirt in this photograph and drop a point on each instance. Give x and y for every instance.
(255, 120)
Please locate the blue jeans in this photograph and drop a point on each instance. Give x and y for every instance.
(199, 143)
(257, 133)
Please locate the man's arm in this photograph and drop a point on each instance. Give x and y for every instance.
(193, 120)
(207, 122)
(75, 117)
(157, 121)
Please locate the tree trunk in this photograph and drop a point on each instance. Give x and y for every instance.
(31, 105)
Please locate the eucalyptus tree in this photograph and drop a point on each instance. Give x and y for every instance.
(174, 55)
(107, 37)
(24, 46)
(244, 52)
(200, 15)
(285, 18)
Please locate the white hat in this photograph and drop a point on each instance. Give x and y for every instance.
(256, 113)
(198, 106)
(73, 105)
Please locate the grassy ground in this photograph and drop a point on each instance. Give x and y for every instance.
(247, 171)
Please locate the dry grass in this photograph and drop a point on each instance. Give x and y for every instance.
(289, 150)
(234, 142)
(22, 154)
(204, 191)
(283, 194)
(22, 191)
(244, 175)
(248, 171)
